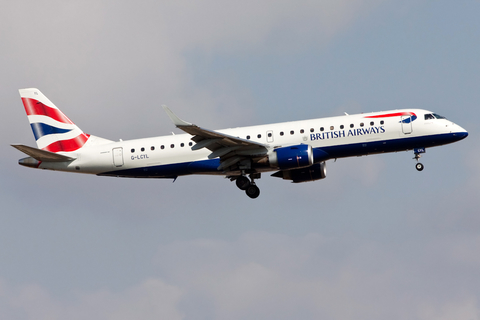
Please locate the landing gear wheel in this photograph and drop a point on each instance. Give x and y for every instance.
(252, 191)
(419, 166)
(242, 183)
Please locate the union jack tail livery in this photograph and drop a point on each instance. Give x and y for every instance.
(53, 130)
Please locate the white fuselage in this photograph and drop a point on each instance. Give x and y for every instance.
(342, 136)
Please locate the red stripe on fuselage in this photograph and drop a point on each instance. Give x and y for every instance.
(397, 114)
(35, 107)
(68, 145)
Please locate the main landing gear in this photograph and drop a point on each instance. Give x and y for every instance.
(249, 186)
(417, 157)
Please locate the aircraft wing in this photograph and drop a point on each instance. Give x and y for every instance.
(231, 150)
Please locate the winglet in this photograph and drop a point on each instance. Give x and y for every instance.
(176, 120)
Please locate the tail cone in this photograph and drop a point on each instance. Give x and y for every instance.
(29, 162)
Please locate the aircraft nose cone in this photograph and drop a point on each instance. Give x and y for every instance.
(461, 134)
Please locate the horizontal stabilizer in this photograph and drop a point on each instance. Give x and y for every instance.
(42, 155)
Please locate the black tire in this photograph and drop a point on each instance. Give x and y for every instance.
(419, 166)
(242, 183)
(252, 191)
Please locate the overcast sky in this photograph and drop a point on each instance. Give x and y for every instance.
(375, 240)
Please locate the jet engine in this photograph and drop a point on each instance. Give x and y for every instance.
(291, 157)
(316, 172)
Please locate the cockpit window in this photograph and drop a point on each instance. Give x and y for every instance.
(439, 116)
(431, 116)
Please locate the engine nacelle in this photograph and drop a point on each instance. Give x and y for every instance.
(298, 156)
(316, 172)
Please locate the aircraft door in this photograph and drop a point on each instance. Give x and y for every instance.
(269, 136)
(406, 124)
(117, 157)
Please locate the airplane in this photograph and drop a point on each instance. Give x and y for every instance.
(296, 151)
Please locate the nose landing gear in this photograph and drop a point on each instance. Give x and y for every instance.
(419, 166)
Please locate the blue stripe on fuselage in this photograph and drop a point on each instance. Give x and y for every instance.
(169, 170)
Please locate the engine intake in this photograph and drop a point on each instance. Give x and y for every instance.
(298, 156)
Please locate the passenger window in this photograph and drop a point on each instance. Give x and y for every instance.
(281, 133)
(259, 136)
(172, 146)
(190, 144)
(162, 147)
(321, 129)
(152, 148)
(382, 122)
(341, 127)
(269, 134)
(361, 124)
(143, 149)
(248, 137)
(331, 127)
(133, 150)
(292, 132)
(352, 125)
(182, 144)
(372, 123)
(302, 131)
(311, 129)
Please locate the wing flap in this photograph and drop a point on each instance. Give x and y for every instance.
(205, 143)
(222, 152)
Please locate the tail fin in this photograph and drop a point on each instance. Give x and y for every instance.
(53, 131)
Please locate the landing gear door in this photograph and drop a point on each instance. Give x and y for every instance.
(118, 157)
(406, 124)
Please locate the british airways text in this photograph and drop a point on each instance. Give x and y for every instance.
(345, 133)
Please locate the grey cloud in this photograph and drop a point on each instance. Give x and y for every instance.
(151, 299)
(126, 55)
(263, 275)
(275, 276)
